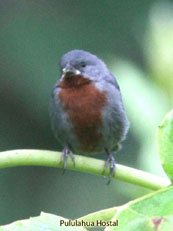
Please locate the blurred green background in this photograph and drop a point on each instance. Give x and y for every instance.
(135, 39)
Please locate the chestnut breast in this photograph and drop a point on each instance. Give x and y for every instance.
(83, 102)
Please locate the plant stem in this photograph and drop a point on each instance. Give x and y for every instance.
(84, 164)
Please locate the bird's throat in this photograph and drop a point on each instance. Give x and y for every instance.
(74, 81)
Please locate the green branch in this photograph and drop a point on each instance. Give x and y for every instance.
(84, 164)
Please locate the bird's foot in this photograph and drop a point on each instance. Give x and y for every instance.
(64, 157)
(111, 160)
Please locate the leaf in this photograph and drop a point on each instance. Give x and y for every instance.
(44, 222)
(165, 144)
(153, 212)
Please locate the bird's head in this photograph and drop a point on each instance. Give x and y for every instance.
(83, 64)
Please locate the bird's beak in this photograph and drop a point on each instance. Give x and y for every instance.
(69, 71)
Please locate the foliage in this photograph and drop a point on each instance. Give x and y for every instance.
(149, 213)
(165, 144)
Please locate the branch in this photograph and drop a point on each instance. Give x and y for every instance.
(84, 164)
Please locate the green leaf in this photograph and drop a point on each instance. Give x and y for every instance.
(148, 224)
(165, 144)
(44, 222)
(153, 212)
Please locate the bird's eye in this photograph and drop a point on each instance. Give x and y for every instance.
(82, 64)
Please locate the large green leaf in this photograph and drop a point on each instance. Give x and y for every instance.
(153, 212)
(165, 144)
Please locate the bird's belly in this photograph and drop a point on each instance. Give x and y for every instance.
(84, 106)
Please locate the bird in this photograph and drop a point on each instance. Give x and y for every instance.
(86, 109)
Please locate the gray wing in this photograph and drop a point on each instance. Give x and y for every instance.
(58, 116)
(60, 122)
(115, 121)
(112, 80)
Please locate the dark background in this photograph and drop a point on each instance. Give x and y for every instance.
(135, 39)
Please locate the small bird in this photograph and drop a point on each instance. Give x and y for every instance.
(86, 109)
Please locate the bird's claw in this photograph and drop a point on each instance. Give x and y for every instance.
(64, 157)
(110, 160)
